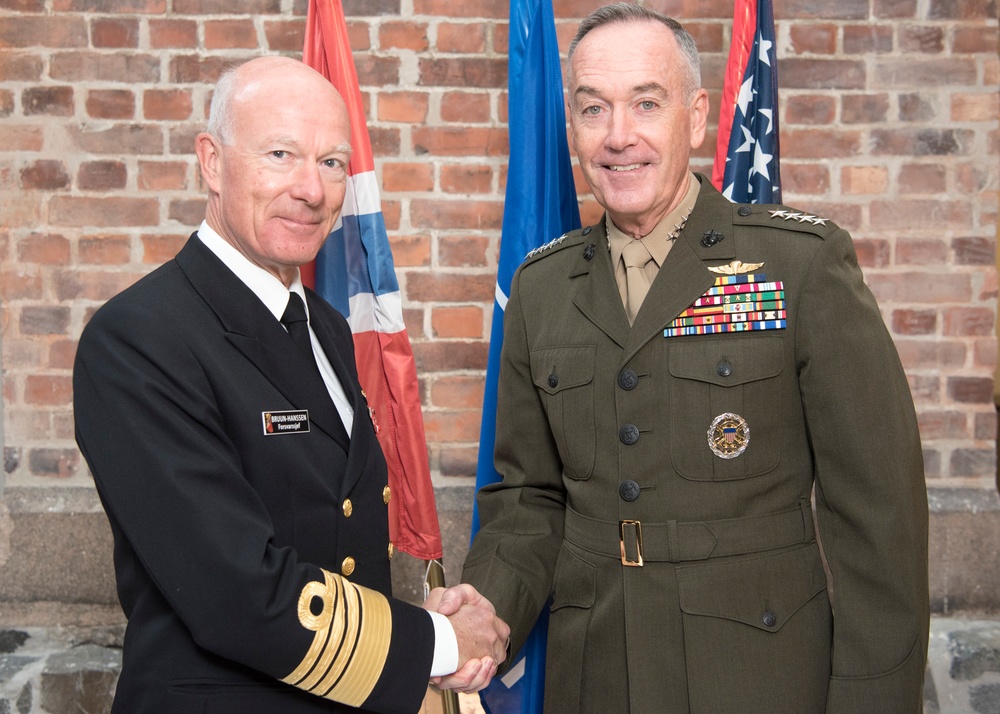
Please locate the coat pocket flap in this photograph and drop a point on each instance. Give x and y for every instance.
(763, 592)
(556, 368)
(575, 582)
(727, 362)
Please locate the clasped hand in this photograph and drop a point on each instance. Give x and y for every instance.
(482, 636)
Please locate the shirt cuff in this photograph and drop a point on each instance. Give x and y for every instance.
(445, 646)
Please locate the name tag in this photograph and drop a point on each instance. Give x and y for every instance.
(285, 422)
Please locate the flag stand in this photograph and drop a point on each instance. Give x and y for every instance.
(435, 579)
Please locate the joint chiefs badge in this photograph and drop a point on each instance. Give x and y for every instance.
(728, 436)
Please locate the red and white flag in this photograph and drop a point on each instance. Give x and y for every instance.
(354, 272)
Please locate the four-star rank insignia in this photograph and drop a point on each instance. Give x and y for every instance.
(728, 436)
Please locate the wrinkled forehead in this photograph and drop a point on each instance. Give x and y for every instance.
(632, 53)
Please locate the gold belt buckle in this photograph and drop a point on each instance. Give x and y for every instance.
(637, 563)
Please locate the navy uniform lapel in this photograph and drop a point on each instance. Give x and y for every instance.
(260, 337)
(339, 350)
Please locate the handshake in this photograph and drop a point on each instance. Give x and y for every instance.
(482, 636)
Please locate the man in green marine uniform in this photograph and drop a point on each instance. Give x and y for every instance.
(664, 421)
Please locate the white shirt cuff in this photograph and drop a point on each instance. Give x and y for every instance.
(445, 646)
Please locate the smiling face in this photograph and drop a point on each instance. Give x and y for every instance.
(634, 120)
(277, 189)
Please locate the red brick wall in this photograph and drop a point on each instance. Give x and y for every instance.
(889, 116)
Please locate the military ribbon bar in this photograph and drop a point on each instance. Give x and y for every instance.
(735, 303)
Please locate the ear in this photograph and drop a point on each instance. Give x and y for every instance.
(699, 117)
(209, 152)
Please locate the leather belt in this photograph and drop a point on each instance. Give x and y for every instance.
(635, 542)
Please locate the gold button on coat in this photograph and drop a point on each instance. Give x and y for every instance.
(347, 567)
(392, 549)
(386, 495)
(348, 508)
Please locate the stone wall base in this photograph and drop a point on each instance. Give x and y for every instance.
(61, 626)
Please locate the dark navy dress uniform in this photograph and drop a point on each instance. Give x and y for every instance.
(251, 535)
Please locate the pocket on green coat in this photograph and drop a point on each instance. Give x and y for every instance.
(564, 379)
(740, 375)
(757, 633)
(574, 590)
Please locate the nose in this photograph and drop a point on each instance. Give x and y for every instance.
(308, 185)
(621, 130)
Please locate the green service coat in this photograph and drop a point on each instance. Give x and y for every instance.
(600, 425)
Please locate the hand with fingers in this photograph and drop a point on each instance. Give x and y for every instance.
(482, 636)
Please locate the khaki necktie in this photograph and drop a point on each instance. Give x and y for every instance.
(635, 255)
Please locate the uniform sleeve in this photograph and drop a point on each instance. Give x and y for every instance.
(871, 496)
(195, 532)
(513, 556)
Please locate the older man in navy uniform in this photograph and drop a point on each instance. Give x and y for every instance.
(218, 405)
(677, 382)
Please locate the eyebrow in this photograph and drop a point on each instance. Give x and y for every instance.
(638, 89)
(342, 148)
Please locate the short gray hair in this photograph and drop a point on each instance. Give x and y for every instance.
(621, 12)
(220, 112)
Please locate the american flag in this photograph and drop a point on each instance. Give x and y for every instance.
(746, 157)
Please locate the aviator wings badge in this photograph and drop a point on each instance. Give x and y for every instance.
(737, 267)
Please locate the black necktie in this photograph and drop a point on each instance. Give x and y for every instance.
(295, 321)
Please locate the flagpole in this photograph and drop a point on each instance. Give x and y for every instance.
(435, 579)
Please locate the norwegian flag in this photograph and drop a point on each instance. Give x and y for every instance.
(354, 272)
(746, 155)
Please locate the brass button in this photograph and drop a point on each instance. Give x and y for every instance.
(347, 567)
(348, 508)
(392, 549)
(386, 495)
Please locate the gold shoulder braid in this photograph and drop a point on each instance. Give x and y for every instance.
(352, 633)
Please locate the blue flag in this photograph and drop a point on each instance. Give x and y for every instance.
(540, 205)
(746, 158)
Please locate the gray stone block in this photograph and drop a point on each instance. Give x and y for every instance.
(931, 703)
(12, 665)
(80, 680)
(24, 700)
(974, 651)
(11, 640)
(964, 550)
(60, 547)
(985, 699)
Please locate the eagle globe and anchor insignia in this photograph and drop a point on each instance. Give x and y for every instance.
(728, 436)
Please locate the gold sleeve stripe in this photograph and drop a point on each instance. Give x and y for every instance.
(351, 642)
(330, 676)
(371, 650)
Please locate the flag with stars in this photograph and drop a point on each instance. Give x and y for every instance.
(746, 154)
